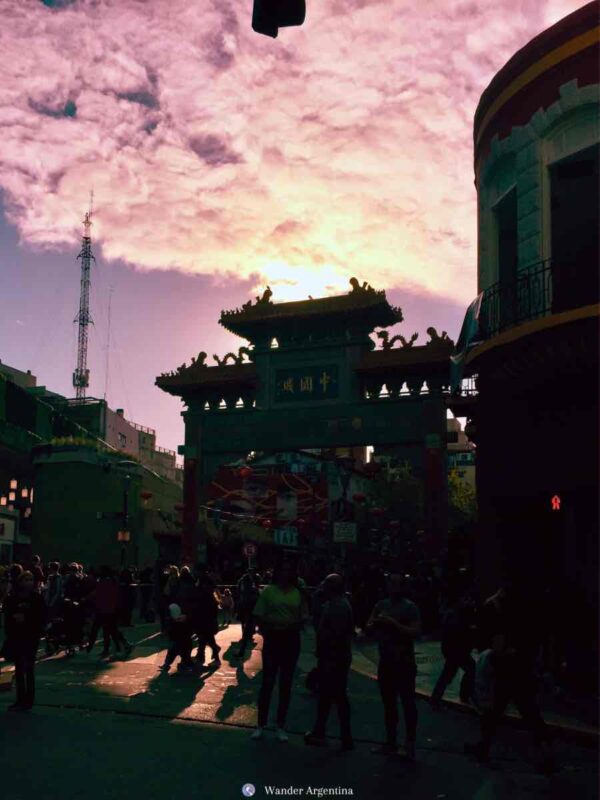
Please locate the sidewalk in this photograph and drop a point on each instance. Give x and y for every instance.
(576, 717)
(228, 695)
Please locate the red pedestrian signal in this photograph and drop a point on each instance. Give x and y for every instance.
(270, 15)
(555, 503)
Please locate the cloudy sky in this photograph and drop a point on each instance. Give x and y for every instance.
(222, 160)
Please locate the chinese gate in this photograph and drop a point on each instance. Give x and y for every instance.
(312, 378)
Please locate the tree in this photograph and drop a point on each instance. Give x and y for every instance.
(462, 502)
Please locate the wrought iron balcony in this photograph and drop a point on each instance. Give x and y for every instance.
(545, 288)
(505, 305)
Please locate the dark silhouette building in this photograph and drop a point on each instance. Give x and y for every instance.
(534, 417)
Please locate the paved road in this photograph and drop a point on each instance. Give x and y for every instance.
(122, 730)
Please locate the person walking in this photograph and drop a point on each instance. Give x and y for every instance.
(179, 630)
(511, 629)
(206, 620)
(396, 622)
(458, 635)
(37, 571)
(335, 632)
(227, 606)
(24, 614)
(280, 614)
(247, 596)
(53, 590)
(106, 605)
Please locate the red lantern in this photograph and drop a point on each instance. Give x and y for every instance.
(359, 497)
(245, 472)
(266, 523)
(145, 495)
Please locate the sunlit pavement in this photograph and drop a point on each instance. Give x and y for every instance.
(122, 729)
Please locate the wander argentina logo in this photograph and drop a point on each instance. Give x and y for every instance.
(309, 791)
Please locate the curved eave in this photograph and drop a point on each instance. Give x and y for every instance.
(289, 315)
(208, 378)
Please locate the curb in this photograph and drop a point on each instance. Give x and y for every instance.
(582, 736)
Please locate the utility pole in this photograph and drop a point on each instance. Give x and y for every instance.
(81, 376)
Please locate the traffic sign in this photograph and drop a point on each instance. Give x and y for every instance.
(344, 532)
(287, 537)
(250, 549)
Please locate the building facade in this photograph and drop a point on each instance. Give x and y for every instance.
(58, 461)
(535, 362)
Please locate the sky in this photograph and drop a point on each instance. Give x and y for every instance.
(222, 161)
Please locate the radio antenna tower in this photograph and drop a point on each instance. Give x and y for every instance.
(81, 376)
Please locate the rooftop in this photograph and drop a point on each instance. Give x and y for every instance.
(361, 304)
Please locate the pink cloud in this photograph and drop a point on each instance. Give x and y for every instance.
(343, 147)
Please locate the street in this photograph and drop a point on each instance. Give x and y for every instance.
(123, 730)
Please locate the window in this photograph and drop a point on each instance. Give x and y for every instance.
(574, 215)
(122, 440)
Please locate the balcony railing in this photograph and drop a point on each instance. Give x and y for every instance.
(505, 305)
(141, 428)
(548, 287)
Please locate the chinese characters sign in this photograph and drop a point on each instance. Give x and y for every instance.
(306, 383)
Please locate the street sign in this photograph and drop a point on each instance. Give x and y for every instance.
(286, 537)
(250, 549)
(344, 532)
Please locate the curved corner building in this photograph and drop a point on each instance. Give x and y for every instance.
(535, 419)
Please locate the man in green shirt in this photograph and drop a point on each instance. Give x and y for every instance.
(280, 612)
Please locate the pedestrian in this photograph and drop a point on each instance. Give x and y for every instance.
(106, 604)
(38, 574)
(14, 571)
(179, 630)
(334, 655)
(53, 592)
(280, 614)
(458, 640)
(247, 596)
(72, 583)
(171, 584)
(24, 614)
(206, 620)
(511, 628)
(227, 606)
(396, 622)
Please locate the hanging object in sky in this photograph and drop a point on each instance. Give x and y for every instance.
(270, 15)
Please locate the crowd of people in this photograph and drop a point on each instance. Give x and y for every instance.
(187, 603)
